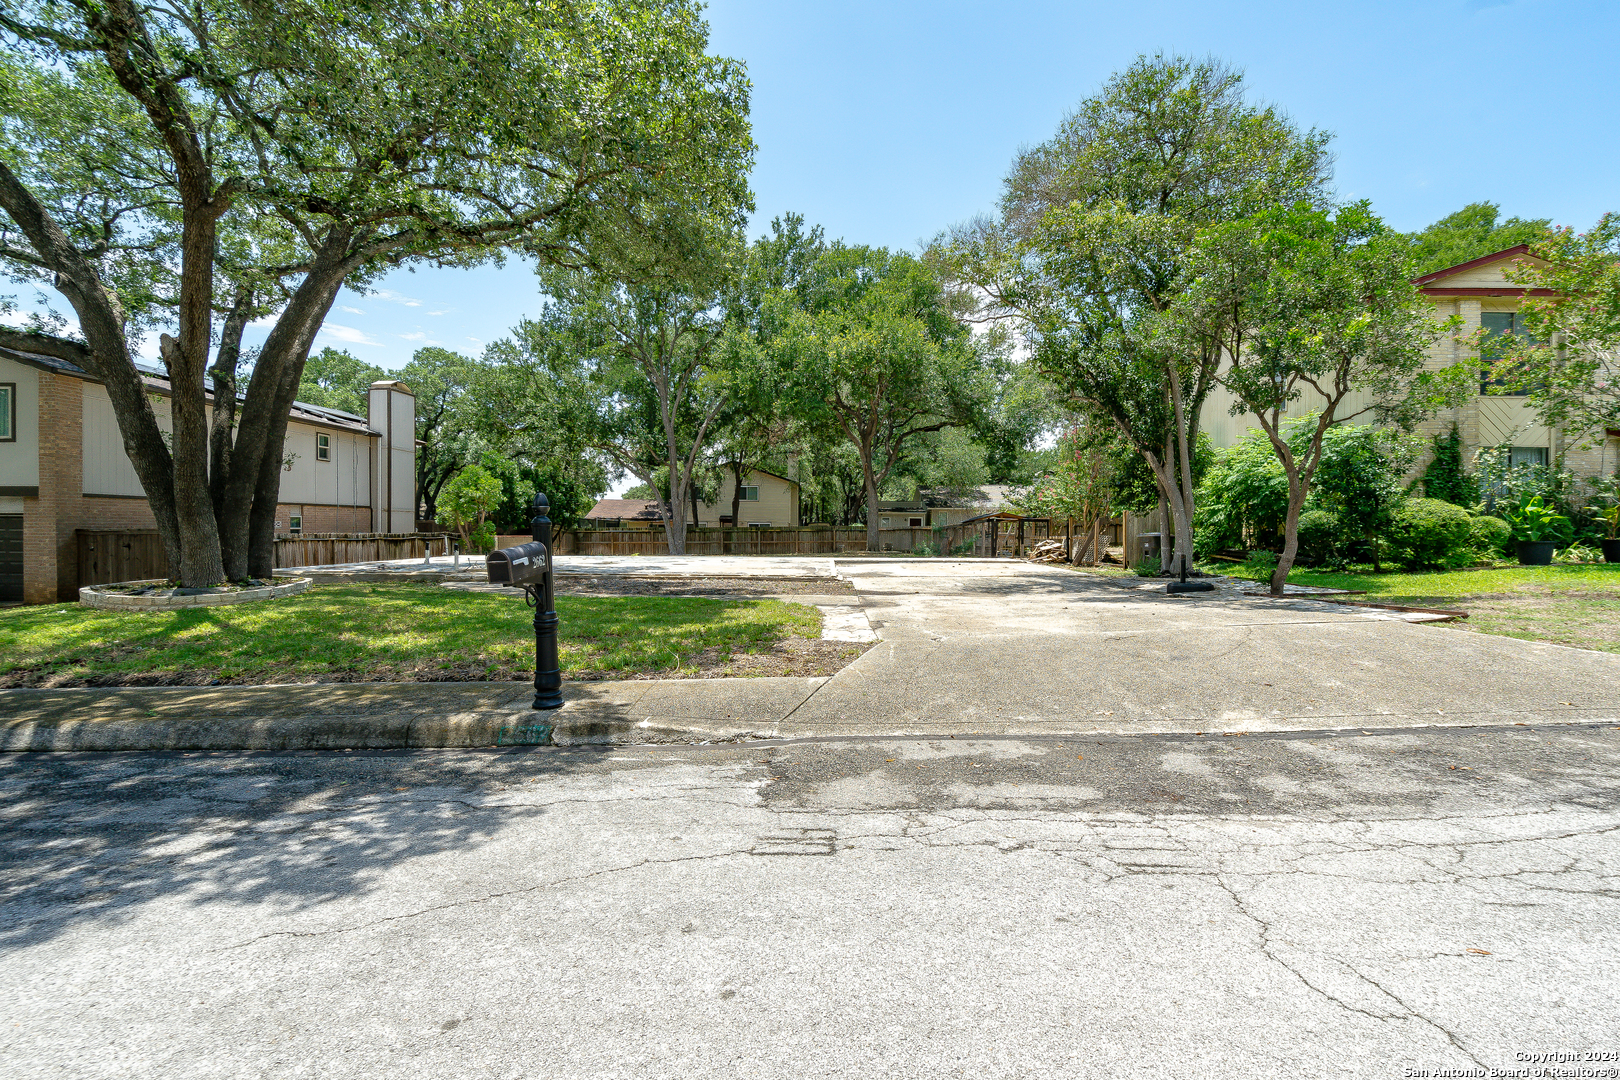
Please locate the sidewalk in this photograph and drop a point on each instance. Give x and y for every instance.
(965, 648)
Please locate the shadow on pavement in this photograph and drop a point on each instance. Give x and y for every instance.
(88, 838)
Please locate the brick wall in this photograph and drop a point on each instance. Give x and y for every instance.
(50, 521)
(50, 557)
(324, 519)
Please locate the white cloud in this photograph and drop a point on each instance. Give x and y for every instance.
(475, 341)
(347, 334)
(418, 336)
(352, 310)
(446, 311)
(395, 298)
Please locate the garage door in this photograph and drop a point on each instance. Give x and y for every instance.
(11, 556)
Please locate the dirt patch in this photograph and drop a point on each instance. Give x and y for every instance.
(1581, 618)
(799, 657)
(793, 657)
(611, 585)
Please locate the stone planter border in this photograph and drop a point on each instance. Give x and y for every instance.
(96, 596)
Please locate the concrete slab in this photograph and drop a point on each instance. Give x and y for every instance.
(1019, 647)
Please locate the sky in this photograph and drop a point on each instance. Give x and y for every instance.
(887, 121)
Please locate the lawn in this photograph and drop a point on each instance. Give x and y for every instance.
(1568, 605)
(393, 633)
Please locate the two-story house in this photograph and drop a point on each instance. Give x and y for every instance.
(63, 469)
(1481, 295)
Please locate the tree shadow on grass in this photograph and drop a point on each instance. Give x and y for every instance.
(88, 839)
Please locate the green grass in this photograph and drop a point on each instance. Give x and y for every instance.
(1567, 605)
(384, 632)
(1455, 583)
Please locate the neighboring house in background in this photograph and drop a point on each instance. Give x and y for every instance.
(624, 514)
(767, 500)
(63, 468)
(1482, 296)
(936, 507)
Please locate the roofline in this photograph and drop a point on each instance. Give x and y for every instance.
(1434, 275)
(767, 472)
(1506, 290)
(157, 384)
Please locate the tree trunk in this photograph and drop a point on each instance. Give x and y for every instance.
(101, 321)
(873, 541)
(691, 489)
(223, 426)
(1285, 561)
(254, 485)
(675, 525)
(736, 492)
(1165, 532)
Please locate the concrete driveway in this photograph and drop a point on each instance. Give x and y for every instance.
(1008, 646)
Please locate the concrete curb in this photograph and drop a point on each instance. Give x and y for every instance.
(378, 716)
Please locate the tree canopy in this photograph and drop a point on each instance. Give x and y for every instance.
(167, 166)
(1477, 229)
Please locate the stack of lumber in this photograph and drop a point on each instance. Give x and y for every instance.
(1048, 551)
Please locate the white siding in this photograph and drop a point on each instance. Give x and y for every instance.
(392, 411)
(777, 504)
(1227, 430)
(107, 469)
(343, 481)
(19, 460)
(1489, 276)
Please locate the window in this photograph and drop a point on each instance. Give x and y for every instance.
(916, 523)
(750, 494)
(323, 447)
(1526, 455)
(1498, 324)
(8, 412)
(295, 524)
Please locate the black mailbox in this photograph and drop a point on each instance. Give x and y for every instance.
(525, 564)
(528, 567)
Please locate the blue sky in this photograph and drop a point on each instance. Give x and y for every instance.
(887, 121)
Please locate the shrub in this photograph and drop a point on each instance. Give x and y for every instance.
(1429, 534)
(1489, 536)
(1319, 539)
(1260, 564)
(482, 539)
(1445, 478)
(1149, 567)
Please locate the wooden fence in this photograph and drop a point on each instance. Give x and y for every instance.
(804, 540)
(108, 555)
(327, 549)
(990, 537)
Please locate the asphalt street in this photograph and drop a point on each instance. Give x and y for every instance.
(1303, 904)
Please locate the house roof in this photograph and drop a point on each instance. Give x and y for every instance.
(767, 472)
(985, 495)
(1426, 283)
(158, 380)
(631, 509)
(1483, 260)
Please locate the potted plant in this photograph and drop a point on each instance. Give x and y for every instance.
(1537, 529)
(1606, 509)
(1610, 516)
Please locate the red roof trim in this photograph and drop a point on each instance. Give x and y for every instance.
(1521, 249)
(1442, 290)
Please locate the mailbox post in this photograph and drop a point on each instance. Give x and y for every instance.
(528, 566)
